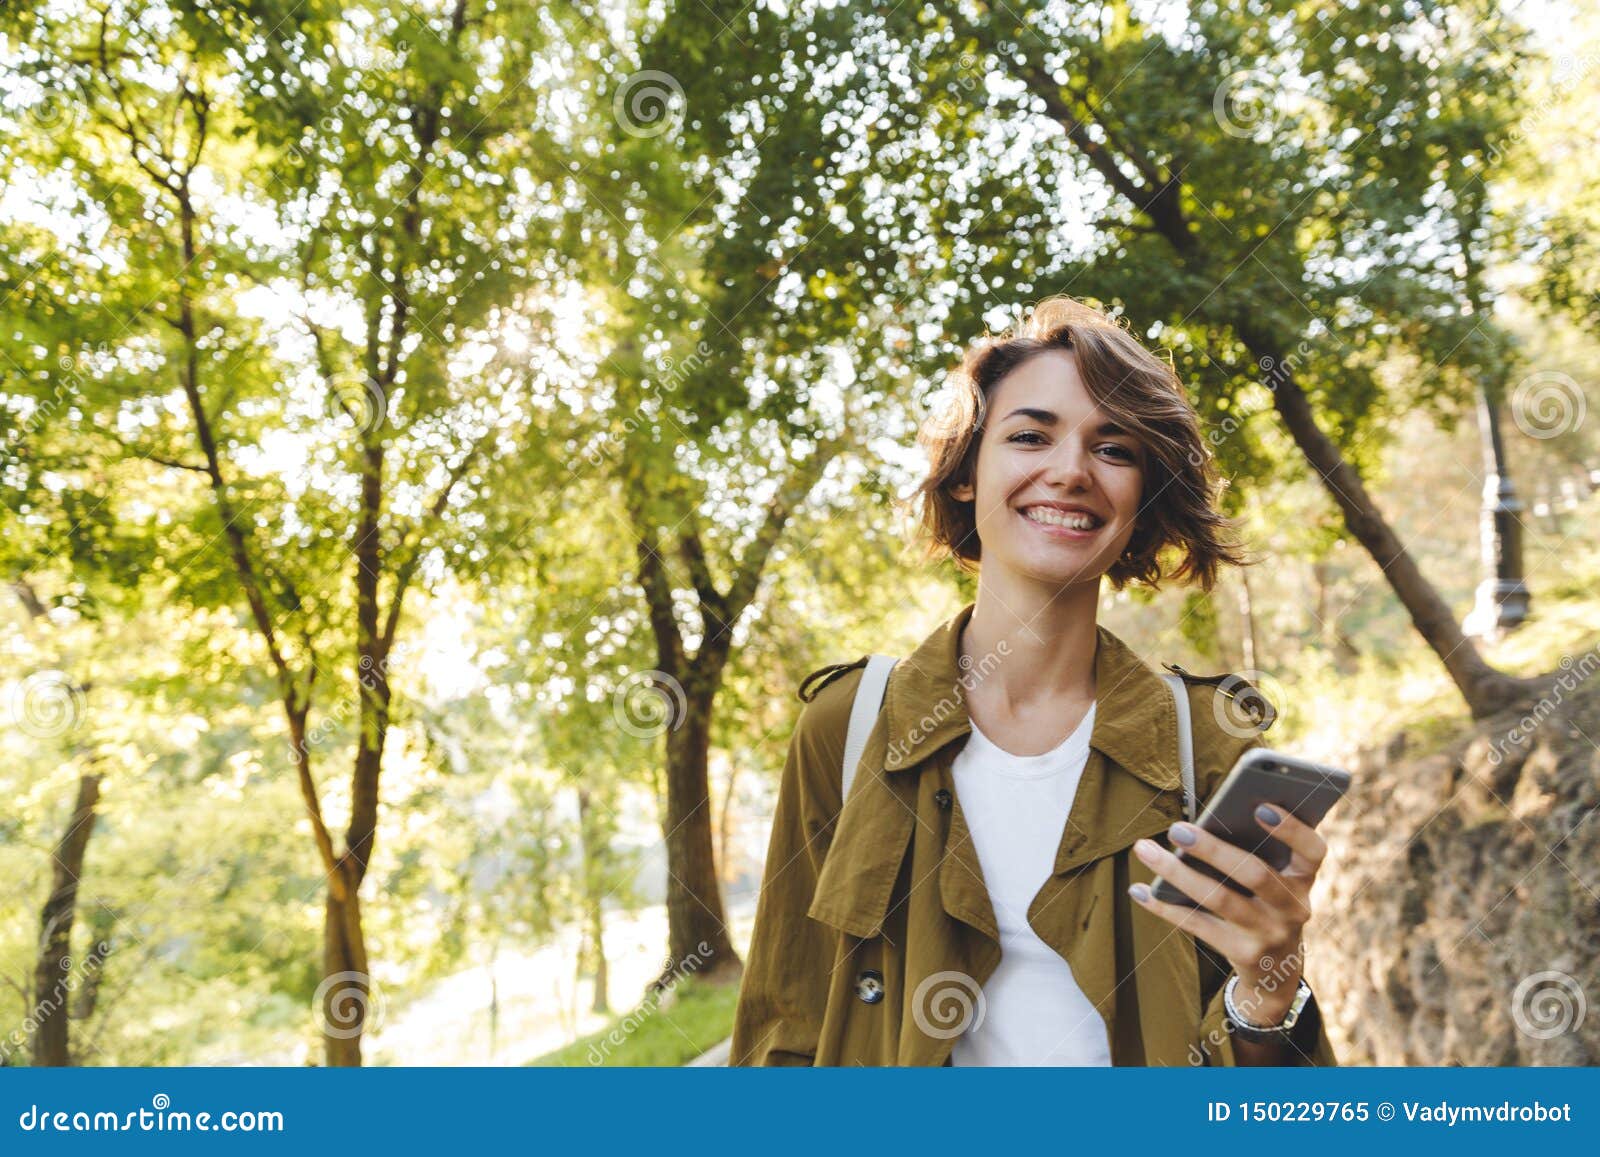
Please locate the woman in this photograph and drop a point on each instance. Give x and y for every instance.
(984, 899)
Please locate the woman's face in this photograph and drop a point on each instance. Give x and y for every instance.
(1057, 484)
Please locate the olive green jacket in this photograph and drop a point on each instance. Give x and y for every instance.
(874, 931)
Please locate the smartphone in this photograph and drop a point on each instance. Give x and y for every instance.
(1303, 788)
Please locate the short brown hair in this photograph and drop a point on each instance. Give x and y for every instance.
(1136, 389)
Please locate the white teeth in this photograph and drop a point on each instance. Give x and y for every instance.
(1052, 517)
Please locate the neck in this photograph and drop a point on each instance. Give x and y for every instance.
(1047, 637)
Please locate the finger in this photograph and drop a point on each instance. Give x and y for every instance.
(1213, 895)
(1302, 839)
(1230, 940)
(1243, 866)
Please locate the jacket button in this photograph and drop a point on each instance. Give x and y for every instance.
(869, 986)
(942, 798)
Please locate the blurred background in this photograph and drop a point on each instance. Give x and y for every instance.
(438, 436)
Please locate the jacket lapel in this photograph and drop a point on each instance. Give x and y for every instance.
(962, 891)
(870, 838)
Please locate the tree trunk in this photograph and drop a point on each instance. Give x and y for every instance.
(1247, 618)
(54, 968)
(725, 820)
(346, 989)
(602, 976)
(1485, 689)
(494, 1003)
(347, 999)
(593, 950)
(1328, 629)
(698, 942)
(698, 937)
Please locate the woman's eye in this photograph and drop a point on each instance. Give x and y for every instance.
(1121, 452)
(1028, 438)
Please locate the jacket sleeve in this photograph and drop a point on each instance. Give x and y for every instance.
(784, 992)
(1309, 1039)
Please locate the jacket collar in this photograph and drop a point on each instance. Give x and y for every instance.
(926, 708)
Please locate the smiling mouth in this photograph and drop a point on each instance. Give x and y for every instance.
(1067, 520)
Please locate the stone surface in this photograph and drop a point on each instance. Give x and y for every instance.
(1457, 920)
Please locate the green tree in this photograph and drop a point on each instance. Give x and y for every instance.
(367, 427)
(762, 288)
(1288, 190)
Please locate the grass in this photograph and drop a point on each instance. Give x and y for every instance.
(671, 1031)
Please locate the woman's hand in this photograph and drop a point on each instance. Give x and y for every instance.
(1260, 934)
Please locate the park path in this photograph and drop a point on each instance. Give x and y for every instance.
(542, 1007)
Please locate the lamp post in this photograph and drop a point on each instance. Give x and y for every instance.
(1502, 597)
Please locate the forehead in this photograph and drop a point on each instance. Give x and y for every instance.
(1046, 381)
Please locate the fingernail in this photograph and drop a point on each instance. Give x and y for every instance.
(1266, 815)
(1183, 834)
(1140, 892)
(1145, 848)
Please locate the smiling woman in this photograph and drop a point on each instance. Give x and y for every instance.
(1144, 431)
(984, 898)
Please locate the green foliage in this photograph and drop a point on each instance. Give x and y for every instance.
(454, 289)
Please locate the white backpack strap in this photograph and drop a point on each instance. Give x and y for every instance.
(863, 714)
(1180, 699)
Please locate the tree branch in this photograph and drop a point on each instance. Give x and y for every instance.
(657, 595)
(412, 546)
(171, 463)
(693, 551)
(747, 576)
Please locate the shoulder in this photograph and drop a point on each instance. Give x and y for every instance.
(828, 694)
(1244, 704)
(819, 679)
(817, 744)
(1228, 715)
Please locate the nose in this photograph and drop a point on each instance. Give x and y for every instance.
(1067, 466)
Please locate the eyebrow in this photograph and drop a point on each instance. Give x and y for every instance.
(1050, 418)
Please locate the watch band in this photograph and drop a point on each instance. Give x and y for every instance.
(1263, 1034)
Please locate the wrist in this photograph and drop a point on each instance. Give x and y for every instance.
(1261, 1021)
(1266, 997)
(1267, 1009)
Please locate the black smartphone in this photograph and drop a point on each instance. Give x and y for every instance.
(1303, 788)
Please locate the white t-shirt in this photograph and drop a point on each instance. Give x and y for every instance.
(1016, 807)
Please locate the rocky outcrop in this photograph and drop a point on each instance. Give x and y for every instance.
(1458, 918)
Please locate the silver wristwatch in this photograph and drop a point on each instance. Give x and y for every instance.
(1263, 1034)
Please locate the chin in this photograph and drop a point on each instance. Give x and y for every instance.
(1064, 573)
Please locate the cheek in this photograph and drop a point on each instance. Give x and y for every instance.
(996, 477)
(1131, 489)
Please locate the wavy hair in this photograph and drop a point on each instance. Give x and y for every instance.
(1135, 388)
